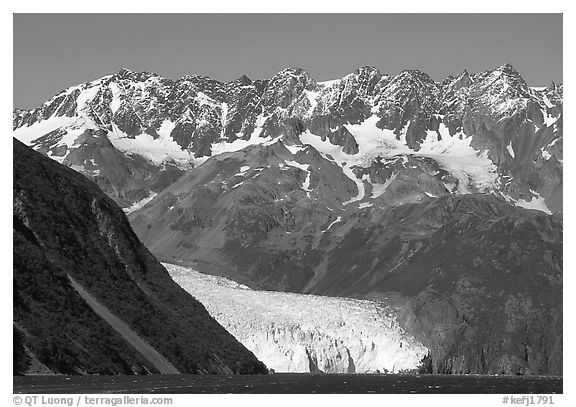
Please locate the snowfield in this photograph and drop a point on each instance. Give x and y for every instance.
(470, 170)
(305, 333)
(473, 169)
(158, 151)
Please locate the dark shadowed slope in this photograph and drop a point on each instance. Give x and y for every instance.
(66, 228)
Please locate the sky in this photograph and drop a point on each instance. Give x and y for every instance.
(54, 51)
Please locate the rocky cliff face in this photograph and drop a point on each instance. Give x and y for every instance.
(307, 333)
(89, 298)
(486, 292)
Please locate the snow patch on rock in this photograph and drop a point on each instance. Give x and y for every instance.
(137, 205)
(338, 219)
(511, 150)
(239, 144)
(160, 150)
(303, 167)
(537, 202)
(379, 189)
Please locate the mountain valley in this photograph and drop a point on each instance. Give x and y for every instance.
(441, 200)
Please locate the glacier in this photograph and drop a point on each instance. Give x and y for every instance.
(292, 332)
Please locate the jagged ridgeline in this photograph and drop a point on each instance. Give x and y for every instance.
(444, 198)
(136, 133)
(89, 298)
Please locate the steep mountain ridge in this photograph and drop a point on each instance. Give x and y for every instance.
(89, 298)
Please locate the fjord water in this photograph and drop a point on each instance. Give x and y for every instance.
(290, 383)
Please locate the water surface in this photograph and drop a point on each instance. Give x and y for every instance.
(288, 383)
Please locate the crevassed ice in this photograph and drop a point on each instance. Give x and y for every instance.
(301, 333)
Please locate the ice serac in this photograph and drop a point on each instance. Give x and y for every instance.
(89, 298)
(307, 333)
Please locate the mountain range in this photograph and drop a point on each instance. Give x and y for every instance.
(135, 133)
(445, 198)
